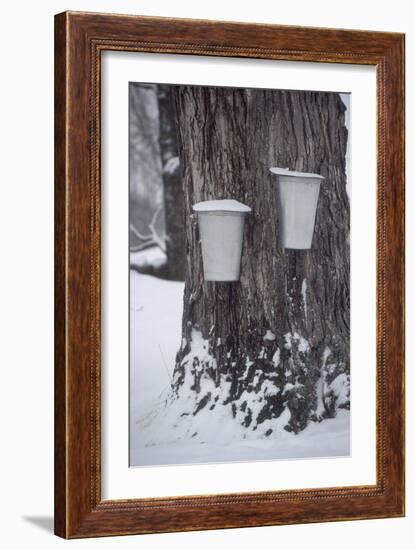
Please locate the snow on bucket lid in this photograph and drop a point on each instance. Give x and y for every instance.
(286, 172)
(225, 205)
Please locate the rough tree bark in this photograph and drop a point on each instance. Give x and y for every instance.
(275, 345)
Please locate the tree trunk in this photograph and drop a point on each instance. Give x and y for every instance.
(273, 348)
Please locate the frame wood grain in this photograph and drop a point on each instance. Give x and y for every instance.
(79, 40)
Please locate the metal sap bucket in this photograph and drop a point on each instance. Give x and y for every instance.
(221, 227)
(297, 197)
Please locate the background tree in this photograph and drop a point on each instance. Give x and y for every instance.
(156, 196)
(147, 222)
(172, 185)
(275, 345)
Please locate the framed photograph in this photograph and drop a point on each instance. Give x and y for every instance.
(229, 277)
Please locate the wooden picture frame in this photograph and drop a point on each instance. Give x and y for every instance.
(79, 40)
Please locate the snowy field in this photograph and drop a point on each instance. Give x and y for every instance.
(329, 438)
(155, 331)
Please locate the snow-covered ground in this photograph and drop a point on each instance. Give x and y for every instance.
(155, 331)
(329, 438)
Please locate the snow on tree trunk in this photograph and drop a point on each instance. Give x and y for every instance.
(271, 350)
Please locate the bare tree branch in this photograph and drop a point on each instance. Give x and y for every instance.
(153, 237)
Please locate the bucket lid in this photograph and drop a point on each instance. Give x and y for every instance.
(285, 172)
(225, 205)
